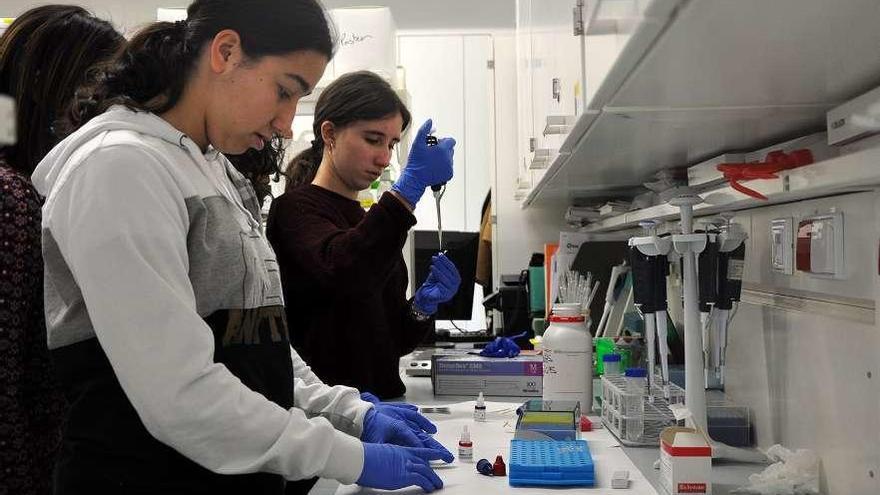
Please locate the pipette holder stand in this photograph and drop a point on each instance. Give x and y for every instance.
(651, 245)
(689, 245)
(730, 240)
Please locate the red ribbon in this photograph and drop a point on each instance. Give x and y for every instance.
(775, 162)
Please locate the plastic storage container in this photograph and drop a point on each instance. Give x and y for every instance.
(568, 358)
(729, 424)
(548, 420)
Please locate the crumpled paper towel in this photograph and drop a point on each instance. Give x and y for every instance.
(792, 473)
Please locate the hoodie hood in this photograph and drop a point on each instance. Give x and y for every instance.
(117, 118)
(53, 170)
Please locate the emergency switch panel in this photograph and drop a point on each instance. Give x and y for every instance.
(781, 246)
(820, 246)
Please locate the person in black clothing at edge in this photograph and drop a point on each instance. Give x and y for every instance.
(342, 270)
(45, 54)
(164, 310)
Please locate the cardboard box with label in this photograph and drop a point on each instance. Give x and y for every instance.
(685, 461)
(468, 374)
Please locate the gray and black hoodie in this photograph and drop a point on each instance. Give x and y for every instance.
(165, 319)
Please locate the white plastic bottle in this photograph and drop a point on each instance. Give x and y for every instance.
(568, 357)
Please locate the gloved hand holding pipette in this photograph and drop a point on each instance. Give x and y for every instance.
(426, 165)
(440, 286)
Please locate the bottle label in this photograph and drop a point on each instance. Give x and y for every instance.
(565, 371)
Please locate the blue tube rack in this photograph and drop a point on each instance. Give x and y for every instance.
(550, 463)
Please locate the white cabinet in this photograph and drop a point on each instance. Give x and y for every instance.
(550, 76)
(449, 79)
(671, 83)
(526, 139)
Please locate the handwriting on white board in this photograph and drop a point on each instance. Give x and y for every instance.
(349, 39)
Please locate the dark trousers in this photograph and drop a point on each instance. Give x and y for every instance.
(300, 487)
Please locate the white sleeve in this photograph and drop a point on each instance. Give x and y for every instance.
(302, 370)
(121, 223)
(341, 405)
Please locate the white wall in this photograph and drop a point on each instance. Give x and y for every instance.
(518, 232)
(448, 81)
(408, 14)
(805, 367)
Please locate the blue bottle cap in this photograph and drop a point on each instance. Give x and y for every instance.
(636, 372)
(484, 467)
(611, 358)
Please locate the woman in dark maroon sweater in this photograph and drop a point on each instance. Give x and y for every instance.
(343, 273)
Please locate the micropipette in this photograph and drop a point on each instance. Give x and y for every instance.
(439, 190)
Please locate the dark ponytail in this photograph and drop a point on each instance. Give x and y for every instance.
(304, 166)
(352, 97)
(152, 71)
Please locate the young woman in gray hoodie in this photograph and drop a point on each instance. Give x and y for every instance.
(164, 307)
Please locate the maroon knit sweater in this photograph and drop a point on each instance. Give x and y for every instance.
(345, 286)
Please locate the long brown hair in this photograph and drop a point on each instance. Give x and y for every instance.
(45, 54)
(153, 70)
(353, 97)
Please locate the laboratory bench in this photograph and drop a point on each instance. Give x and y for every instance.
(492, 438)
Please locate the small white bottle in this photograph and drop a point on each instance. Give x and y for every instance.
(465, 446)
(480, 409)
(568, 357)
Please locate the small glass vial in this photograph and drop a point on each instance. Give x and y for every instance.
(480, 409)
(465, 446)
(611, 364)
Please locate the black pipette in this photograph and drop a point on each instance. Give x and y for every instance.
(439, 190)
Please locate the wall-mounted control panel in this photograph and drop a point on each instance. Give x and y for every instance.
(820, 245)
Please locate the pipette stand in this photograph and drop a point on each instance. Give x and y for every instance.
(689, 245)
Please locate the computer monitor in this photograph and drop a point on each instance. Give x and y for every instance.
(461, 248)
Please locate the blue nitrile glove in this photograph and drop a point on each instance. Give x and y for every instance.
(502, 347)
(426, 166)
(440, 286)
(381, 428)
(407, 413)
(390, 467)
